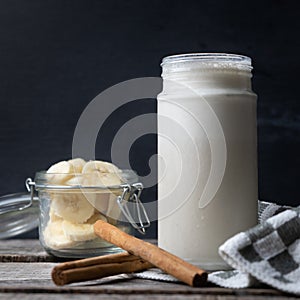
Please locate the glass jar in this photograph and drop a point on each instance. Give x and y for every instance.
(207, 166)
(67, 212)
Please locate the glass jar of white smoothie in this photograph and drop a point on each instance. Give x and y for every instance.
(207, 156)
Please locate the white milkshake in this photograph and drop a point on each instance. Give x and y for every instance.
(207, 171)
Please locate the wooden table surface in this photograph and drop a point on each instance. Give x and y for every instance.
(25, 274)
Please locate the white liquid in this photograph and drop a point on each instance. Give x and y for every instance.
(189, 141)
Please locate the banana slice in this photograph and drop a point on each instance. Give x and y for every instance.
(82, 232)
(98, 178)
(91, 179)
(75, 181)
(72, 207)
(78, 232)
(77, 164)
(54, 236)
(59, 173)
(53, 217)
(101, 166)
(110, 179)
(98, 200)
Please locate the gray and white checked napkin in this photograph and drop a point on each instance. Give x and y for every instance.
(267, 253)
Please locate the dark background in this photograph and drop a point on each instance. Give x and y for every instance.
(56, 56)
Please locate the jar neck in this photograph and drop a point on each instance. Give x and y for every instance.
(207, 71)
(208, 80)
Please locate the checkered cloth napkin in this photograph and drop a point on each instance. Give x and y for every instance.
(267, 253)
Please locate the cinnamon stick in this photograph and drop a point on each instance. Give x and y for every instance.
(97, 267)
(158, 257)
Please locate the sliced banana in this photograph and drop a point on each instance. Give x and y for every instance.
(77, 164)
(101, 166)
(103, 200)
(59, 173)
(75, 181)
(98, 200)
(54, 236)
(91, 179)
(53, 217)
(73, 207)
(98, 178)
(78, 232)
(110, 179)
(73, 213)
(82, 232)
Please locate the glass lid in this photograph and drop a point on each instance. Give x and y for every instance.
(18, 214)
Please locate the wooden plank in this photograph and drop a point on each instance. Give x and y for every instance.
(23, 251)
(19, 279)
(17, 250)
(38, 296)
(36, 277)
